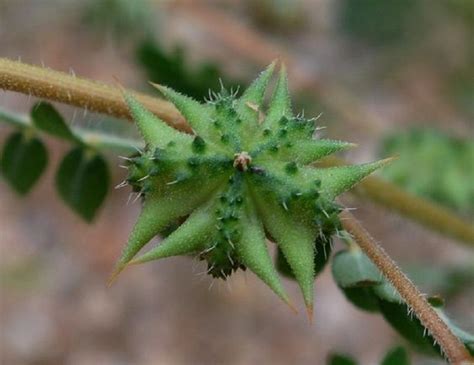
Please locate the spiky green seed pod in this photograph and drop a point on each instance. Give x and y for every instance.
(241, 179)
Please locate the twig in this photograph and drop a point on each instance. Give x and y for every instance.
(99, 140)
(91, 95)
(452, 347)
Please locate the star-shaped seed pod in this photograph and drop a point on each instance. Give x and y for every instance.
(243, 177)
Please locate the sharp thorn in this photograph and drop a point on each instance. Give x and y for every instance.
(309, 311)
(121, 185)
(143, 178)
(113, 277)
(291, 305)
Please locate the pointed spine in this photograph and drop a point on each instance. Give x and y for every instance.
(254, 94)
(153, 218)
(336, 180)
(298, 248)
(160, 210)
(295, 240)
(190, 237)
(253, 252)
(155, 132)
(280, 105)
(309, 151)
(197, 115)
(249, 105)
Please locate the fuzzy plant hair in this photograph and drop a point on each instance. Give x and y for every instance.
(243, 177)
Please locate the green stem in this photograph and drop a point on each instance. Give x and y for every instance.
(98, 140)
(14, 119)
(104, 141)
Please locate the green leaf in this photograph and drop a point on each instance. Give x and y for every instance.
(357, 277)
(172, 67)
(381, 23)
(24, 158)
(423, 152)
(338, 359)
(362, 297)
(396, 356)
(465, 337)
(352, 268)
(408, 326)
(82, 181)
(396, 312)
(47, 118)
(387, 292)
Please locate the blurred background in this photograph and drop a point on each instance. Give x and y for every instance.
(396, 77)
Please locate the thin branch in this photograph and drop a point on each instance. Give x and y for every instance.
(69, 89)
(423, 211)
(13, 119)
(98, 140)
(58, 86)
(452, 347)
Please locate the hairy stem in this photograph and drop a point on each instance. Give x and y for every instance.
(69, 89)
(452, 347)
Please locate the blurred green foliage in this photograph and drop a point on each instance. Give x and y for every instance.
(464, 9)
(173, 70)
(379, 22)
(433, 165)
(82, 179)
(284, 16)
(394, 356)
(122, 19)
(446, 280)
(461, 88)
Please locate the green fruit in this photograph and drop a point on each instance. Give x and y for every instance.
(241, 179)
